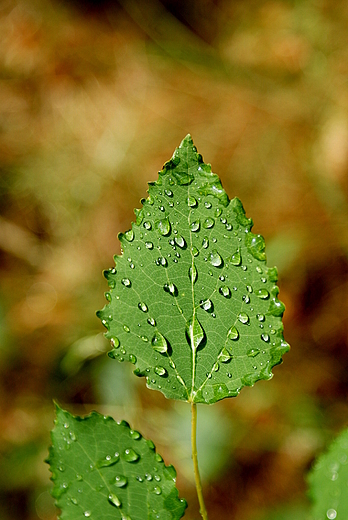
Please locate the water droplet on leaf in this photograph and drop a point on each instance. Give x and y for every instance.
(126, 282)
(120, 481)
(233, 333)
(114, 500)
(225, 291)
(193, 273)
(180, 241)
(194, 332)
(262, 293)
(195, 226)
(236, 258)
(163, 226)
(130, 455)
(160, 371)
(170, 288)
(208, 223)
(215, 258)
(243, 318)
(191, 202)
(159, 343)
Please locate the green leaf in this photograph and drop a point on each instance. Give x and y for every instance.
(102, 469)
(192, 304)
(328, 481)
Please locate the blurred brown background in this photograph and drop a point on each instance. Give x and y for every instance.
(94, 97)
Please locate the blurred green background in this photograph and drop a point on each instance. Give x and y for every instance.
(94, 97)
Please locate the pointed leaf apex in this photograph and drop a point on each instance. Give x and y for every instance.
(186, 142)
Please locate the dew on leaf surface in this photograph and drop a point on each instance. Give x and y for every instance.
(126, 282)
(170, 288)
(130, 455)
(206, 305)
(215, 258)
(160, 371)
(143, 307)
(120, 481)
(225, 291)
(236, 258)
(191, 202)
(195, 226)
(180, 241)
(208, 223)
(114, 500)
(243, 318)
(163, 226)
(159, 343)
(233, 333)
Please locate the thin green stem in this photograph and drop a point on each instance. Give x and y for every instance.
(202, 509)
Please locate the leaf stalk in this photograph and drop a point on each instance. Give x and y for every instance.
(198, 482)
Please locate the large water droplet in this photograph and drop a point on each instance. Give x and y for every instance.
(126, 282)
(180, 241)
(130, 455)
(331, 514)
(114, 500)
(149, 245)
(152, 322)
(194, 331)
(109, 460)
(243, 318)
(207, 305)
(191, 202)
(192, 273)
(215, 258)
(129, 235)
(225, 356)
(205, 243)
(163, 226)
(265, 337)
(170, 288)
(157, 490)
(236, 258)
(147, 225)
(195, 226)
(160, 371)
(120, 481)
(253, 352)
(208, 223)
(262, 293)
(233, 333)
(132, 359)
(87, 513)
(115, 342)
(135, 434)
(143, 307)
(225, 291)
(159, 343)
(256, 246)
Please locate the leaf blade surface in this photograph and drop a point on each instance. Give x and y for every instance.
(103, 470)
(192, 303)
(328, 481)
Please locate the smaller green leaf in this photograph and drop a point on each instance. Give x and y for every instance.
(328, 481)
(102, 469)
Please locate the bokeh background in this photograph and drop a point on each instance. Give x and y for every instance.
(94, 98)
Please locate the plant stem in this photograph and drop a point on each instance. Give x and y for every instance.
(202, 509)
